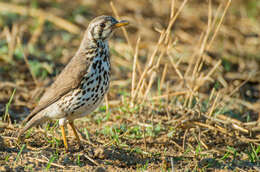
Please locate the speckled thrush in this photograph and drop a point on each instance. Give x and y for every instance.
(81, 86)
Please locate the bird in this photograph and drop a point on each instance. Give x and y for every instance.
(80, 87)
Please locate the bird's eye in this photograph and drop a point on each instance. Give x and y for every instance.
(102, 25)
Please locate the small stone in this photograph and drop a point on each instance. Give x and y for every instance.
(99, 153)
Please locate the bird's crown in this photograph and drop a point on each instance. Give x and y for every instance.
(102, 27)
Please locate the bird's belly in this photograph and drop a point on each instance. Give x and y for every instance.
(84, 110)
(85, 99)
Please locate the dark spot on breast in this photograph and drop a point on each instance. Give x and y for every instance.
(95, 101)
(90, 82)
(59, 105)
(97, 88)
(88, 89)
(81, 85)
(75, 108)
(100, 44)
(70, 99)
(99, 65)
(86, 78)
(100, 32)
(77, 93)
(77, 103)
(94, 65)
(90, 51)
(106, 57)
(99, 80)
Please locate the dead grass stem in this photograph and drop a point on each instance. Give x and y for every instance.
(22, 10)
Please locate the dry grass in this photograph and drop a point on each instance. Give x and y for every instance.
(185, 91)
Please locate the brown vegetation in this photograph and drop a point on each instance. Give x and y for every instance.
(185, 91)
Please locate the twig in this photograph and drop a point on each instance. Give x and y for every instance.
(37, 32)
(214, 105)
(176, 68)
(149, 85)
(10, 84)
(92, 160)
(169, 95)
(149, 65)
(123, 28)
(172, 20)
(134, 66)
(218, 128)
(27, 62)
(172, 8)
(218, 26)
(44, 161)
(208, 75)
(163, 75)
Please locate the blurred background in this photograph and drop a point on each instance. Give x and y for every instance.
(185, 81)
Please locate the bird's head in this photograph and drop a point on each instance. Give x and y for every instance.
(102, 27)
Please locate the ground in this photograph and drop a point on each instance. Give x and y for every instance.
(185, 91)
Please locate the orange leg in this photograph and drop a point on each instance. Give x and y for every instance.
(74, 131)
(64, 137)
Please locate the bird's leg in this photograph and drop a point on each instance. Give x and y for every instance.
(74, 131)
(64, 137)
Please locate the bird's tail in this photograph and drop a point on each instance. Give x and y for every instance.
(35, 120)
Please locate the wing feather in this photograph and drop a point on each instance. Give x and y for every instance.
(68, 79)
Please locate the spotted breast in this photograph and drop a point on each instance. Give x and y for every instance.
(92, 88)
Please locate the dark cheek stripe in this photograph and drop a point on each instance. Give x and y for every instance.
(100, 32)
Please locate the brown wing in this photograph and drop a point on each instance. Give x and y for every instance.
(68, 79)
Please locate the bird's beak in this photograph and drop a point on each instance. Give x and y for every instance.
(121, 23)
